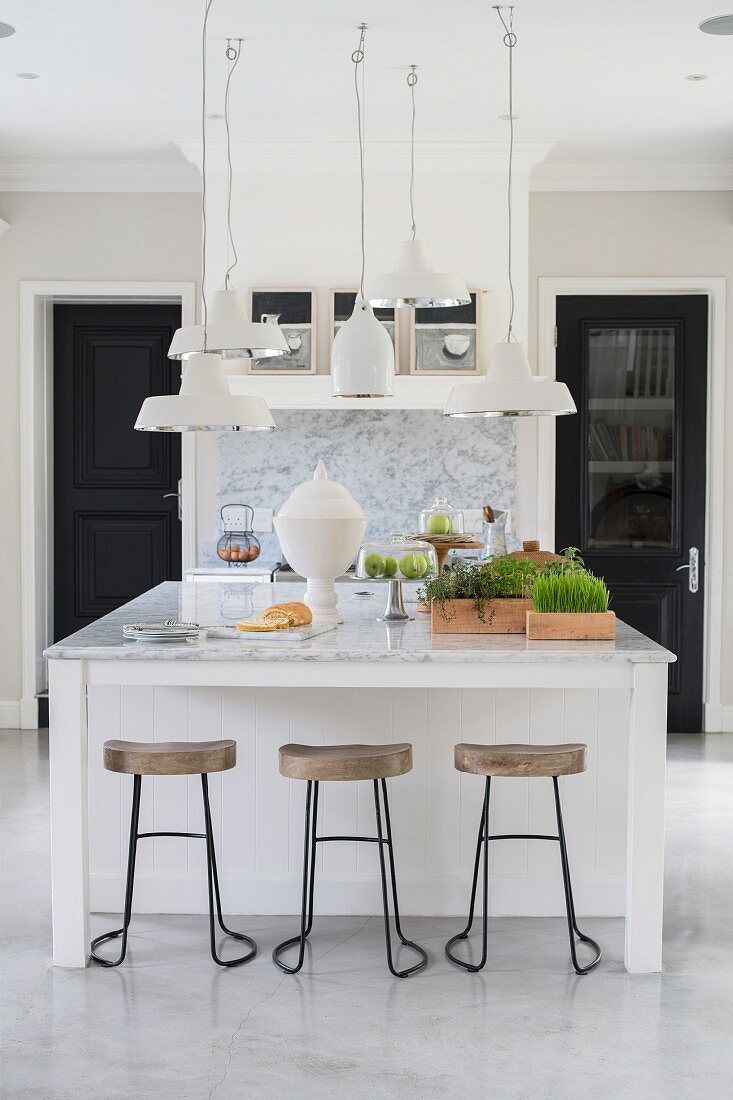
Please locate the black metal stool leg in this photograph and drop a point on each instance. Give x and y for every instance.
(309, 874)
(569, 904)
(213, 881)
(483, 833)
(388, 843)
(131, 854)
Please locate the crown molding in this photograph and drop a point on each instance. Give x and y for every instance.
(633, 175)
(382, 158)
(96, 174)
(181, 173)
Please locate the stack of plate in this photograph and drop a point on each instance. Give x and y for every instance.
(161, 632)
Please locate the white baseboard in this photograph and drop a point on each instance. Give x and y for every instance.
(9, 714)
(351, 895)
(29, 713)
(726, 724)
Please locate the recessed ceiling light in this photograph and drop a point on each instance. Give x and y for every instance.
(27, 76)
(719, 24)
(697, 76)
(508, 118)
(6, 30)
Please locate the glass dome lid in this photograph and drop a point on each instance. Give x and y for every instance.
(396, 559)
(441, 519)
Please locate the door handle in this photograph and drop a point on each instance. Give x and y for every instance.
(693, 577)
(179, 494)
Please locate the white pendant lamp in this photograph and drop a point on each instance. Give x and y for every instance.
(204, 402)
(509, 388)
(230, 332)
(413, 281)
(362, 356)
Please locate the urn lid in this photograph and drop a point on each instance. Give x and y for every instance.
(321, 498)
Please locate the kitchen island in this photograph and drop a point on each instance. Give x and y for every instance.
(369, 682)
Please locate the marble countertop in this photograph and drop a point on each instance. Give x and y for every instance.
(359, 638)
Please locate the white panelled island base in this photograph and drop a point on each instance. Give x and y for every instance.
(363, 682)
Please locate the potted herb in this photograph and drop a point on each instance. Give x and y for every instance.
(481, 598)
(570, 603)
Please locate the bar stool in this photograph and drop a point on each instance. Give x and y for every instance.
(172, 758)
(341, 763)
(520, 761)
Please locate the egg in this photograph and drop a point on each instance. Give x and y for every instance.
(225, 554)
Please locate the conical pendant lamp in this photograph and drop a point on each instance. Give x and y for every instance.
(413, 281)
(205, 403)
(362, 356)
(509, 388)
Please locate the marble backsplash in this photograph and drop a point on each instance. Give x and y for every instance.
(393, 463)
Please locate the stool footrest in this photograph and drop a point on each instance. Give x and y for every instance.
(191, 836)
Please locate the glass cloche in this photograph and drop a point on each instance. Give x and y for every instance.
(441, 519)
(396, 559)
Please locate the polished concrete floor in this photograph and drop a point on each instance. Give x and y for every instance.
(170, 1024)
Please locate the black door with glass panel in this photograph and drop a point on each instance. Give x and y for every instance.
(117, 530)
(630, 467)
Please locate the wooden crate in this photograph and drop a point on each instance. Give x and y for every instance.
(564, 626)
(506, 616)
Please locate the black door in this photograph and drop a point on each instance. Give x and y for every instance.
(631, 467)
(115, 532)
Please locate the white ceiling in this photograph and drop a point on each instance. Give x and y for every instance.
(598, 80)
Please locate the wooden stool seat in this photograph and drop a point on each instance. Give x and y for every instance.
(520, 760)
(169, 757)
(345, 762)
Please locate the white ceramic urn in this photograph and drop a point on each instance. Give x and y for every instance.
(320, 527)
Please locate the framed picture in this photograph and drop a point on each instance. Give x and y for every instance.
(342, 306)
(294, 310)
(446, 341)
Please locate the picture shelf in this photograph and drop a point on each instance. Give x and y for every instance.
(314, 392)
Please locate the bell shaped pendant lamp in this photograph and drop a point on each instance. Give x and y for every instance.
(413, 281)
(509, 388)
(230, 332)
(205, 402)
(362, 355)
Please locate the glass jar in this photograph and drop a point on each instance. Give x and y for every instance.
(396, 559)
(238, 545)
(441, 519)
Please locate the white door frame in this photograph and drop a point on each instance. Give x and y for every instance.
(715, 289)
(36, 456)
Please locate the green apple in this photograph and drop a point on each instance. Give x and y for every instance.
(390, 566)
(374, 564)
(413, 566)
(438, 524)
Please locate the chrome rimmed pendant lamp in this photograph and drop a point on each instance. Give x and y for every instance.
(509, 387)
(205, 402)
(362, 356)
(413, 281)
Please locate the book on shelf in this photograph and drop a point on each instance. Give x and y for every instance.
(628, 443)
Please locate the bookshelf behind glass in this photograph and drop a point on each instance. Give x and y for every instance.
(631, 438)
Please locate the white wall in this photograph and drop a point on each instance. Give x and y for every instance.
(634, 233)
(70, 236)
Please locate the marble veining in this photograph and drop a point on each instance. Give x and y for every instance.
(393, 463)
(360, 638)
